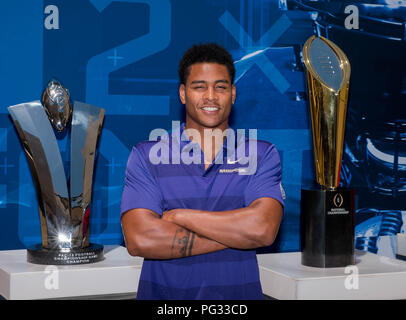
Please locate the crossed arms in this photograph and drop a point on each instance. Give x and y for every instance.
(187, 232)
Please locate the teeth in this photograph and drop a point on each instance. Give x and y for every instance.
(210, 108)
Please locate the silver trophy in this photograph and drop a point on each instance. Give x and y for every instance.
(64, 204)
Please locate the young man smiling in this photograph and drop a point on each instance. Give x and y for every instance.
(197, 225)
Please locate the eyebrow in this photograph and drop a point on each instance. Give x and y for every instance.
(203, 81)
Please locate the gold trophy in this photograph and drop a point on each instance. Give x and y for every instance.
(327, 213)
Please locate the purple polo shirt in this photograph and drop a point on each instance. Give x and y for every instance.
(161, 176)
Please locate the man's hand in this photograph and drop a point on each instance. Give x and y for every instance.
(170, 215)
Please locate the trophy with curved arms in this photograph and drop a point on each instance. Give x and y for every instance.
(64, 204)
(327, 213)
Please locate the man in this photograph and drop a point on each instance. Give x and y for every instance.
(197, 225)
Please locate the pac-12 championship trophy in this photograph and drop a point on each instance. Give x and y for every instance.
(64, 204)
(327, 214)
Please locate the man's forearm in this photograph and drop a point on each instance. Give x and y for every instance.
(243, 228)
(186, 243)
(150, 237)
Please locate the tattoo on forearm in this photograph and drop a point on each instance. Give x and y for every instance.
(183, 242)
(192, 238)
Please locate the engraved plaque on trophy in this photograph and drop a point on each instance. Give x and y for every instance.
(327, 213)
(63, 202)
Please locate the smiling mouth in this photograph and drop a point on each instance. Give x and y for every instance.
(210, 109)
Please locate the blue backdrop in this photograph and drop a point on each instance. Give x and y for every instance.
(123, 56)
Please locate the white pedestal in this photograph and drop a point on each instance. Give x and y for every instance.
(373, 277)
(282, 277)
(117, 274)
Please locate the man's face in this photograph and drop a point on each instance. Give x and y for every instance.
(208, 96)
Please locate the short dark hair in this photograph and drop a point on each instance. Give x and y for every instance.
(210, 52)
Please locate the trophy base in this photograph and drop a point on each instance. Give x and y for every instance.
(327, 228)
(39, 255)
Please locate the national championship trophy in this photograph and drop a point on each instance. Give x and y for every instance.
(64, 204)
(327, 214)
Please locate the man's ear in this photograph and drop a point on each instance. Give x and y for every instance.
(233, 93)
(182, 93)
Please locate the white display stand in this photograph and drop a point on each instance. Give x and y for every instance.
(282, 277)
(117, 275)
(372, 277)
